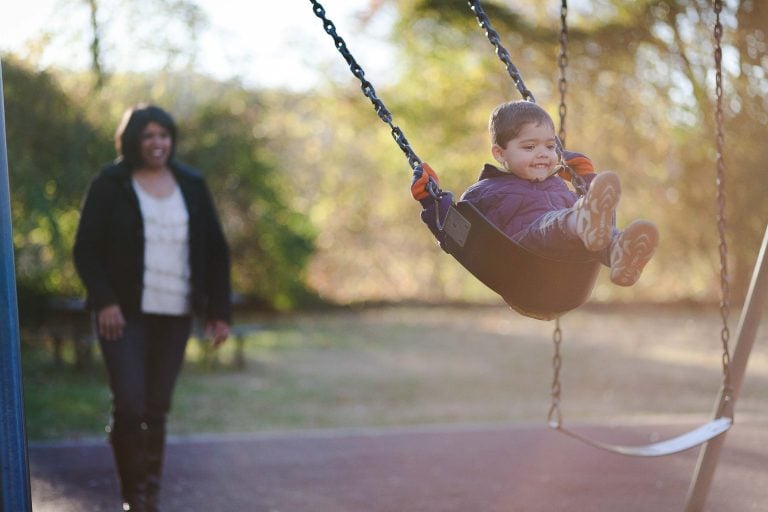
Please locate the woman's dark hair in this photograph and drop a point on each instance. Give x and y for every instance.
(128, 134)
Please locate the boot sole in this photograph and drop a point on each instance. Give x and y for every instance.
(632, 252)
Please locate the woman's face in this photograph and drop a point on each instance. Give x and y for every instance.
(156, 146)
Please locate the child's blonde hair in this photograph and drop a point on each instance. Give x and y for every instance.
(509, 118)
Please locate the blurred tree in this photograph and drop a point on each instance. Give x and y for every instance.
(96, 57)
(52, 151)
(125, 34)
(270, 242)
(747, 105)
(59, 138)
(674, 90)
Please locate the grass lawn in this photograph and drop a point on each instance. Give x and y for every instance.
(415, 366)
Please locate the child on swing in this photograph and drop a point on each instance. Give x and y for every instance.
(533, 206)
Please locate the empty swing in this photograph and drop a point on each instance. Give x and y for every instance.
(724, 415)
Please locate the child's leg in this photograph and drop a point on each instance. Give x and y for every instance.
(550, 237)
(582, 232)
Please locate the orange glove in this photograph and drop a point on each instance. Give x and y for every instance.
(422, 176)
(582, 166)
(580, 163)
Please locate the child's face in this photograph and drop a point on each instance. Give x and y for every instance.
(532, 155)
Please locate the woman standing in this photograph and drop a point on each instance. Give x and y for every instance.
(151, 253)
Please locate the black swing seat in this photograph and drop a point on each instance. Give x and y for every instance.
(532, 285)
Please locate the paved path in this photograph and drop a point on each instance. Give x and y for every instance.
(518, 468)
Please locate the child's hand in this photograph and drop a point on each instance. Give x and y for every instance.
(422, 176)
(580, 163)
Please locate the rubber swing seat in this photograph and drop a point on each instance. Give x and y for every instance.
(532, 285)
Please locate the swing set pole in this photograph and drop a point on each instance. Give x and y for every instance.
(748, 324)
(14, 462)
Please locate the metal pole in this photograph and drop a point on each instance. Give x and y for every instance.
(750, 320)
(14, 476)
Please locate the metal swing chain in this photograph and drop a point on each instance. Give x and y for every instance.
(555, 417)
(725, 334)
(562, 62)
(366, 86)
(503, 54)
(562, 86)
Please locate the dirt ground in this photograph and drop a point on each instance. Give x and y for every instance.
(404, 366)
(440, 410)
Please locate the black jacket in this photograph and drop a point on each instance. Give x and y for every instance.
(109, 245)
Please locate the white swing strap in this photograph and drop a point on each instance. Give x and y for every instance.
(676, 444)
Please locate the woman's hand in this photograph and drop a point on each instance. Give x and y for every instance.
(217, 331)
(111, 322)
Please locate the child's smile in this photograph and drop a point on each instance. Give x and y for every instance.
(532, 155)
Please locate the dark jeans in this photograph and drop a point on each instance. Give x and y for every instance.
(143, 366)
(548, 237)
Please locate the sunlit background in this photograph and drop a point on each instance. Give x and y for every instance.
(314, 192)
(262, 44)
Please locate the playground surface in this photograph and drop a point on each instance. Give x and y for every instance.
(518, 467)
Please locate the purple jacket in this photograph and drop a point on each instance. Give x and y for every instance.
(508, 202)
(512, 203)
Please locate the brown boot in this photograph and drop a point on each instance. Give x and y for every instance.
(154, 447)
(129, 459)
(631, 250)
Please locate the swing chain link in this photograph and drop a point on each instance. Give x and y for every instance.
(555, 415)
(562, 85)
(501, 52)
(366, 86)
(555, 418)
(725, 334)
(562, 62)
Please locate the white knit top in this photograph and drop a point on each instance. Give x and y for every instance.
(166, 253)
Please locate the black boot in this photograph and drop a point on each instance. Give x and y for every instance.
(154, 447)
(127, 447)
